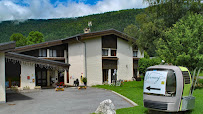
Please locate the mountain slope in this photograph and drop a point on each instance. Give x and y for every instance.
(61, 28)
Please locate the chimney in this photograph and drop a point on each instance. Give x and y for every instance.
(87, 30)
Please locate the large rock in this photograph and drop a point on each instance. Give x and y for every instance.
(106, 107)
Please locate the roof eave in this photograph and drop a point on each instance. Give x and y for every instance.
(8, 46)
(28, 58)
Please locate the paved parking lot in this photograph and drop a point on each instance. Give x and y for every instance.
(70, 101)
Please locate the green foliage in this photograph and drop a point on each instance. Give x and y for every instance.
(131, 30)
(19, 38)
(35, 37)
(183, 44)
(84, 79)
(148, 30)
(54, 29)
(172, 10)
(144, 63)
(157, 17)
(146, 55)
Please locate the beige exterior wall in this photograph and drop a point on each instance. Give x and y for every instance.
(125, 61)
(77, 61)
(2, 78)
(140, 55)
(27, 70)
(94, 61)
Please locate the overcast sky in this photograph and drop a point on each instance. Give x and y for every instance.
(47, 9)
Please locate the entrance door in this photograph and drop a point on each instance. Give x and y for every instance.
(105, 75)
(135, 73)
(113, 75)
(41, 78)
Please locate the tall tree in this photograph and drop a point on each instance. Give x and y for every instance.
(132, 30)
(184, 42)
(172, 10)
(19, 38)
(147, 31)
(35, 37)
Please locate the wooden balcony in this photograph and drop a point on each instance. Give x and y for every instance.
(54, 58)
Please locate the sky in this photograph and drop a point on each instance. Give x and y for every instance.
(49, 9)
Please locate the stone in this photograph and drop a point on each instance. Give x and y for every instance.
(106, 107)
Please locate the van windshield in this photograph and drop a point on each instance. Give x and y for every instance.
(160, 82)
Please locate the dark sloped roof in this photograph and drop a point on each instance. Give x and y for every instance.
(38, 46)
(8, 46)
(37, 60)
(75, 38)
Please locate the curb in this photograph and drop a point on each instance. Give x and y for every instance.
(125, 98)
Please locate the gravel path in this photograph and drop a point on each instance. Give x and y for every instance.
(70, 101)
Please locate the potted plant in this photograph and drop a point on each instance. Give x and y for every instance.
(84, 81)
(59, 86)
(138, 78)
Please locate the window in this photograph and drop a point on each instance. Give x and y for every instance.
(42, 53)
(171, 83)
(113, 52)
(52, 53)
(104, 52)
(60, 53)
(135, 53)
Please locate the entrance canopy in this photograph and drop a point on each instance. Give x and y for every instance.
(4, 47)
(38, 61)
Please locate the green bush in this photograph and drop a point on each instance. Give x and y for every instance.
(84, 79)
(144, 63)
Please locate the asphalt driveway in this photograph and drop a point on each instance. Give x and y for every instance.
(70, 101)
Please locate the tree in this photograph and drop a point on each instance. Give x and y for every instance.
(19, 38)
(132, 30)
(147, 31)
(172, 10)
(183, 44)
(35, 37)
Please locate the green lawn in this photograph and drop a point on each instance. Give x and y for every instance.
(201, 74)
(134, 91)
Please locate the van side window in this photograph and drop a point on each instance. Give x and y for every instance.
(171, 83)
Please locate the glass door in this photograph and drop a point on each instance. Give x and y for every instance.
(41, 78)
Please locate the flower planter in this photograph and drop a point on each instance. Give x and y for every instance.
(59, 88)
(82, 87)
(138, 79)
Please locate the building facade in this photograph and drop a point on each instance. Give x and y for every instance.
(100, 56)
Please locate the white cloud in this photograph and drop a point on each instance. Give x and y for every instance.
(43, 9)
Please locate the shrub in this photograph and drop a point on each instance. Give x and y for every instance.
(144, 63)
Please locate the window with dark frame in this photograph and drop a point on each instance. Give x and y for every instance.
(104, 52)
(42, 53)
(60, 53)
(52, 53)
(135, 53)
(113, 52)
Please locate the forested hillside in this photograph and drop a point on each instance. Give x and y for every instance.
(61, 28)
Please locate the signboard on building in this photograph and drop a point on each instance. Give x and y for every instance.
(32, 80)
(155, 82)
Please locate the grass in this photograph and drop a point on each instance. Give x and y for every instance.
(201, 74)
(134, 91)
